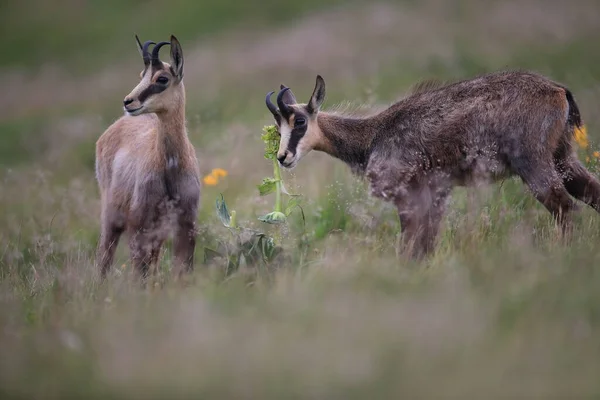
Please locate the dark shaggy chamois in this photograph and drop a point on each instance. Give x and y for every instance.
(147, 169)
(440, 136)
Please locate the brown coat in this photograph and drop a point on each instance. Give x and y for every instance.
(477, 130)
(147, 169)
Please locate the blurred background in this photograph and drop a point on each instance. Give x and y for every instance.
(502, 308)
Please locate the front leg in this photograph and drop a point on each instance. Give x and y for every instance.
(409, 242)
(421, 213)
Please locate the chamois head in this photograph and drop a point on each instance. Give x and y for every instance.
(161, 86)
(297, 123)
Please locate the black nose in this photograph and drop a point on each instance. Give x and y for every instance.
(126, 102)
(283, 157)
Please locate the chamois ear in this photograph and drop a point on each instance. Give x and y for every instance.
(176, 58)
(318, 96)
(288, 96)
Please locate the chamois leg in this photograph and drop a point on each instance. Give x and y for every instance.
(111, 230)
(155, 255)
(420, 221)
(548, 188)
(184, 245)
(581, 184)
(141, 253)
(148, 225)
(408, 243)
(145, 246)
(184, 241)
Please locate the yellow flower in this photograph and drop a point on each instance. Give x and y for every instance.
(587, 159)
(213, 178)
(210, 180)
(581, 137)
(596, 154)
(219, 172)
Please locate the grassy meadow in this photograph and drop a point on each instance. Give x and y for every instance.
(502, 309)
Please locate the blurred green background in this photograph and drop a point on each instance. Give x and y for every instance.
(502, 309)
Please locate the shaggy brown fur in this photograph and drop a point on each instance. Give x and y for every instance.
(443, 135)
(147, 169)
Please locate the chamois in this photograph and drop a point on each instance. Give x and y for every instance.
(147, 170)
(444, 135)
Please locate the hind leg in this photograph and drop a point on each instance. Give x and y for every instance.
(111, 231)
(155, 256)
(184, 242)
(147, 223)
(145, 248)
(548, 188)
(581, 184)
(184, 245)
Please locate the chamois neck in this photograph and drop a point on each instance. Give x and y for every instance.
(172, 131)
(346, 138)
(172, 123)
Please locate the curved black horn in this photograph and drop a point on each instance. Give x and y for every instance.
(270, 104)
(145, 53)
(155, 50)
(284, 108)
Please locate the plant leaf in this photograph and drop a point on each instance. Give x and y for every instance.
(210, 255)
(292, 203)
(267, 186)
(274, 217)
(223, 212)
(268, 246)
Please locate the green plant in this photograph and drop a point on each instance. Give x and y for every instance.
(248, 246)
(245, 247)
(275, 184)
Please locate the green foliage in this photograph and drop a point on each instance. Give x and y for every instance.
(243, 247)
(268, 185)
(274, 217)
(223, 212)
(270, 137)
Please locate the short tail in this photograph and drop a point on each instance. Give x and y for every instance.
(574, 117)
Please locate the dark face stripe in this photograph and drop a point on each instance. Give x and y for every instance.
(295, 136)
(153, 89)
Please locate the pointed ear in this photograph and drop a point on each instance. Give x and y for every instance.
(288, 97)
(318, 96)
(176, 58)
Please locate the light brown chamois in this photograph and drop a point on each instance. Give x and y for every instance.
(147, 169)
(483, 129)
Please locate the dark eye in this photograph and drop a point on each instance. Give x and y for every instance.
(163, 80)
(299, 121)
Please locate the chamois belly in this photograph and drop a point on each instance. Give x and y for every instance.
(148, 197)
(479, 166)
(393, 178)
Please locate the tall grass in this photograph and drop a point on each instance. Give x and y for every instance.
(502, 309)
